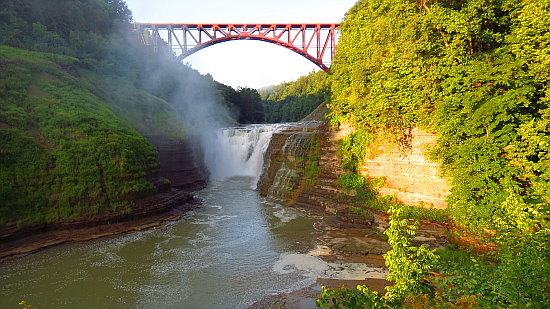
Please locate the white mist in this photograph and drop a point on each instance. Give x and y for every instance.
(238, 151)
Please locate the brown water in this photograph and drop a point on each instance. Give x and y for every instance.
(227, 254)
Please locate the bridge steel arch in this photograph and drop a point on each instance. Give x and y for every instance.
(315, 42)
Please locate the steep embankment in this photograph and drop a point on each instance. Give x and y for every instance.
(66, 154)
(476, 74)
(303, 169)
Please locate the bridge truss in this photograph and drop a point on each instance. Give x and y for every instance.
(316, 42)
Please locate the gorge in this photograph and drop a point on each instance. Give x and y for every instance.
(257, 246)
(421, 179)
(251, 238)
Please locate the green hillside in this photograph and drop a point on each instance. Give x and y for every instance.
(476, 73)
(65, 153)
(79, 94)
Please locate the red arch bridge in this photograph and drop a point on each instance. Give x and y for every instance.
(316, 42)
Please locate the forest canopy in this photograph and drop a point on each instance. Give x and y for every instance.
(293, 101)
(476, 73)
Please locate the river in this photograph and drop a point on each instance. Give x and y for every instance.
(234, 249)
(226, 254)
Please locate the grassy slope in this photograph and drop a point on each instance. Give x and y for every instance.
(64, 152)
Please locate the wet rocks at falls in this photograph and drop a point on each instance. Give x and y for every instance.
(302, 169)
(286, 159)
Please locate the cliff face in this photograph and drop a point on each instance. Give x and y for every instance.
(411, 177)
(302, 169)
(177, 163)
(297, 174)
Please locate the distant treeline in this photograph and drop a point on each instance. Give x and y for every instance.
(293, 101)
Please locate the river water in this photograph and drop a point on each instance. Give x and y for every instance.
(233, 250)
(227, 254)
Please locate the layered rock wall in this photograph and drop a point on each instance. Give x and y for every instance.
(285, 176)
(409, 175)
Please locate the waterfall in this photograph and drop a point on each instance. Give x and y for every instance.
(238, 151)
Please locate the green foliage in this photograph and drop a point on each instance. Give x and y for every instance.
(70, 110)
(65, 154)
(362, 297)
(361, 211)
(311, 164)
(475, 72)
(517, 277)
(250, 106)
(352, 149)
(25, 305)
(409, 265)
(311, 171)
(295, 100)
(313, 83)
(366, 190)
(352, 181)
(410, 271)
(245, 103)
(90, 30)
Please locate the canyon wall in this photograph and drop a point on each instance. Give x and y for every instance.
(177, 164)
(409, 175)
(302, 168)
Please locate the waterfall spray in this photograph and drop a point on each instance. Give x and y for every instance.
(238, 151)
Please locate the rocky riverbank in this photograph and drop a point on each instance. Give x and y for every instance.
(153, 212)
(347, 245)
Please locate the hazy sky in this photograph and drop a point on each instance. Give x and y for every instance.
(245, 63)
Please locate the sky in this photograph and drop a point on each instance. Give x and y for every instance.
(253, 64)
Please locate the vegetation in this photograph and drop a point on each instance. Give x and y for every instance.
(477, 74)
(78, 93)
(25, 305)
(366, 197)
(65, 154)
(245, 103)
(295, 100)
(311, 164)
(409, 265)
(480, 87)
(410, 270)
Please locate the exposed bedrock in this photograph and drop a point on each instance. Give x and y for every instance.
(302, 169)
(409, 175)
(178, 163)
